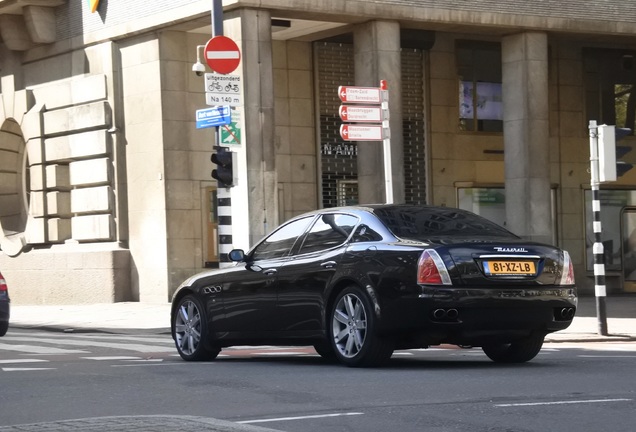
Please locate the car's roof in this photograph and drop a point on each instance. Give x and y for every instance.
(372, 207)
(423, 221)
(387, 207)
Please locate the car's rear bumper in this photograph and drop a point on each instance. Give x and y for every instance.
(4, 311)
(480, 316)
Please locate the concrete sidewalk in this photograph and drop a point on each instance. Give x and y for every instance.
(133, 317)
(125, 317)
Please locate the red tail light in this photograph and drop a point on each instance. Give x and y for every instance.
(567, 272)
(3, 284)
(431, 269)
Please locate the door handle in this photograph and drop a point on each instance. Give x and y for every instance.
(270, 272)
(328, 264)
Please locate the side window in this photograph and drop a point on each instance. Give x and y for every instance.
(279, 243)
(365, 234)
(329, 231)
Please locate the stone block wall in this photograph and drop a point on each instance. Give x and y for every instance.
(296, 149)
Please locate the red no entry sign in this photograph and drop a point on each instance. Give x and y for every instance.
(222, 54)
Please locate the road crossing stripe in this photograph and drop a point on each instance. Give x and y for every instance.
(562, 402)
(111, 358)
(86, 343)
(142, 339)
(25, 369)
(606, 356)
(32, 349)
(300, 417)
(11, 361)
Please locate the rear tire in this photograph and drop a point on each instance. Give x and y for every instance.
(4, 326)
(519, 351)
(190, 331)
(352, 331)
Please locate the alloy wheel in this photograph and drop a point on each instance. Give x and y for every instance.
(349, 325)
(187, 327)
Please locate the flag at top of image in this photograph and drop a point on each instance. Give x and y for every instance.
(92, 4)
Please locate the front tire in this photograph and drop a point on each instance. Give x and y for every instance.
(352, 331)
(519, 351)
(190, 332)
(4, 326)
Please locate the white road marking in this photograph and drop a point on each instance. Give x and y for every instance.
(167, 339)
(279, 353)
(102, 358)
(188, 364)
(607, 356)
(300, 418)
(23, 361)
(563, 402)
(39, 349)
(151, 360)
(25, 369)
(88, 342)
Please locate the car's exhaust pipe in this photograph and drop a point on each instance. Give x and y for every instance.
(446, 314)
(439, 314)
(567, 313)
(564, 314)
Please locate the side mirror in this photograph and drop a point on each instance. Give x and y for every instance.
(237, 255)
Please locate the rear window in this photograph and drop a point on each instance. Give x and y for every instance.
(421, 223)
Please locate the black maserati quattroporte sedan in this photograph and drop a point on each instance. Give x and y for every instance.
(359, 282)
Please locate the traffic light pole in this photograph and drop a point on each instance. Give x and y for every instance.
(599, 253)
(223, 195)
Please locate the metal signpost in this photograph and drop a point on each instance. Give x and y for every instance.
(378, 113)
(222, 92)
(599, 253)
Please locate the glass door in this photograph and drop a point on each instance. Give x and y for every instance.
(628, 237)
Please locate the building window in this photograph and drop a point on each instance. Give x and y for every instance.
(347, 192)
(479, 74)
(610, 84)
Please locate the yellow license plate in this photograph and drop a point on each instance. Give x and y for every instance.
(509, 268)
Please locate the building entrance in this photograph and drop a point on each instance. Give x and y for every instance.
(628, 237)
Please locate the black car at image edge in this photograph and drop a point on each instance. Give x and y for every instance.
(359, 282)
(4, 306)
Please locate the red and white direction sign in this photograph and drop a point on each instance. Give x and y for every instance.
(363, 114)
(360, 94)
(362, 133)
(222, 54)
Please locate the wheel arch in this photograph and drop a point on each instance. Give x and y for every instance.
(339, 287)
(175, 301)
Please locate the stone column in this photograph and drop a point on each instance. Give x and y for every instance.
(256, 200)
(377, 57)
(526, 135)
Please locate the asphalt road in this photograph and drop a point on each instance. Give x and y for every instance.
(51, 377)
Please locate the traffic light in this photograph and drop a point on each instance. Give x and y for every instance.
(224, 171)
(609, 154)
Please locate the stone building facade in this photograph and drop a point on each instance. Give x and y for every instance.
(105, 187)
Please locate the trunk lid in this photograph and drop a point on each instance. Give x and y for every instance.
(478, 263)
